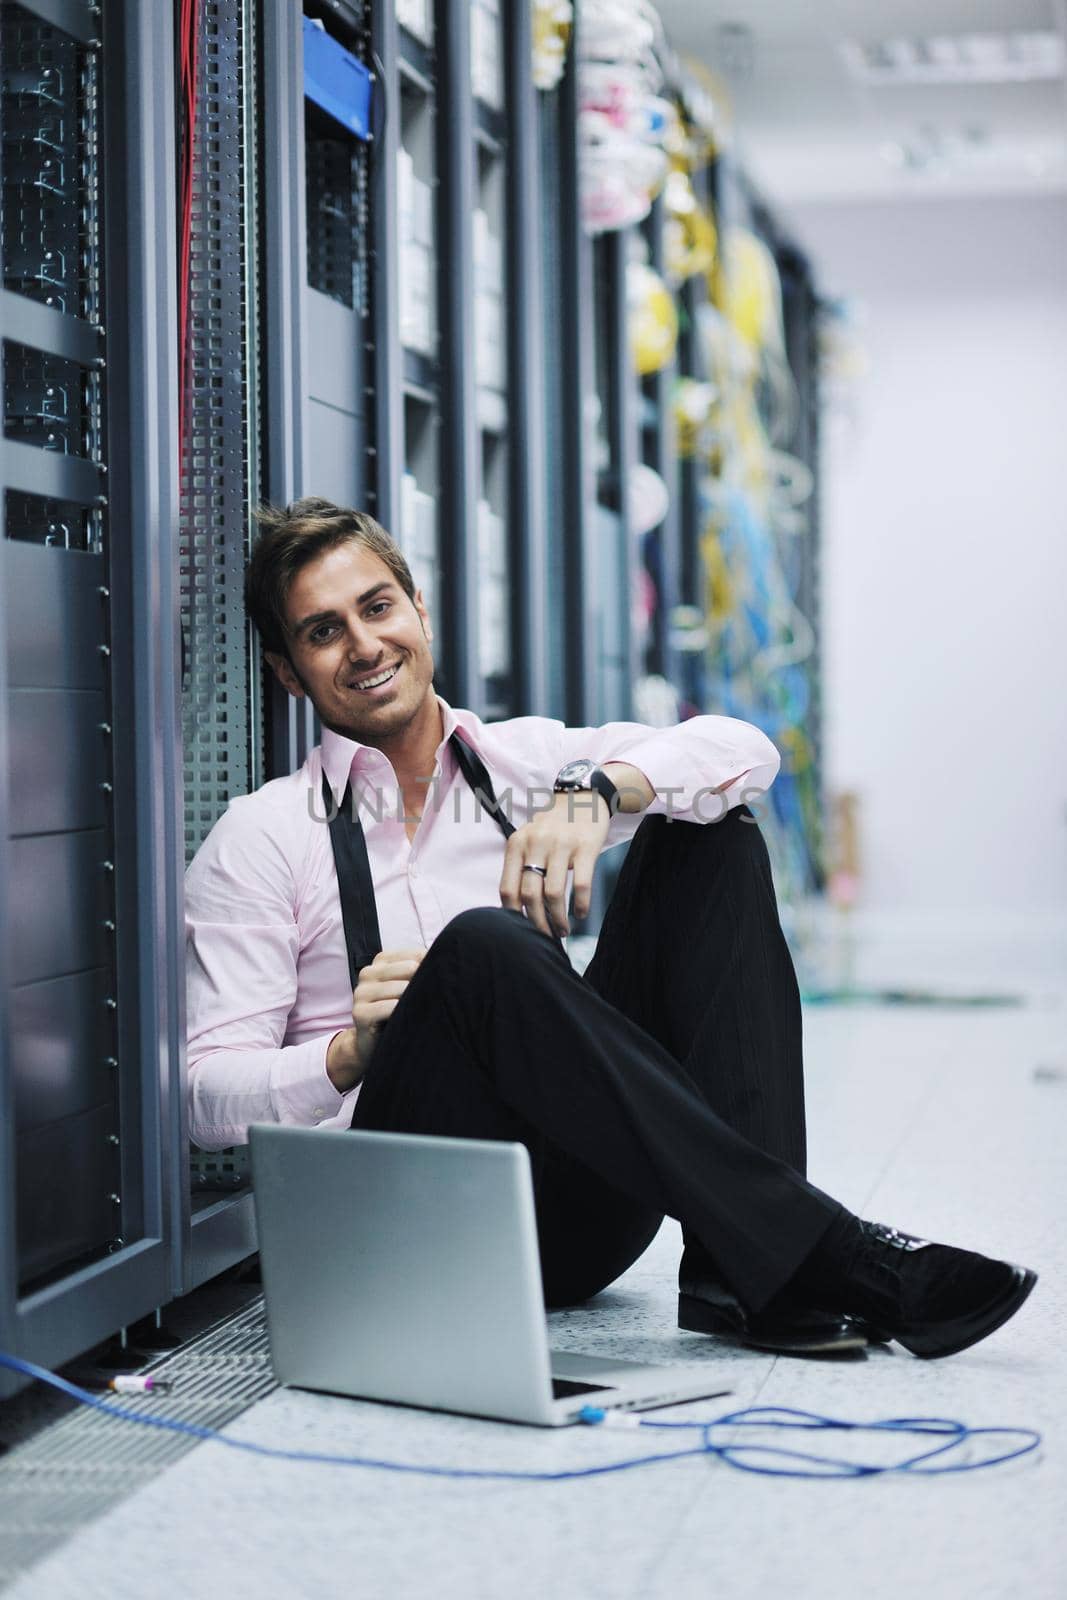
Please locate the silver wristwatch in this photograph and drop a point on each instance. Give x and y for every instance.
(586, 775)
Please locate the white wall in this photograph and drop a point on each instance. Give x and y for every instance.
(946, 551)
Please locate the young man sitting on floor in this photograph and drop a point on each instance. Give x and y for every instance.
(666, 1080)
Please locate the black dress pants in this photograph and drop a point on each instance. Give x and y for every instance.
(667, 1080)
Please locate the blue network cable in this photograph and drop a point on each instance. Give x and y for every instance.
(745, 1457)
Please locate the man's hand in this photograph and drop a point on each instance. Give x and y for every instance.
(568, 836)
(375, 997)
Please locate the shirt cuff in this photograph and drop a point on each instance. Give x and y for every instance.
(300, 1087)
(739, 774)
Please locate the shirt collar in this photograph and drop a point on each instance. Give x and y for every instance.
(341, 757)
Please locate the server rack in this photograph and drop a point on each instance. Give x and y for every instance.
(277, 217)
(90, 833)
(691, 577)
(410, 167)
(576, 678)
(618, 450)
(223, 721)
(494, 382)
(802, 312)
(792, 711)
(556, 423)
(528, 490)
(661, 550)
(459, 486)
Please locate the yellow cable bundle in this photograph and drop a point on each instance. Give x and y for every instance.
(797, 750)
(709, 115)
(551, 24)
(691, 406)
(720, 598)
(753, 447)
(752, 290)
(689, 237)
(652, 319)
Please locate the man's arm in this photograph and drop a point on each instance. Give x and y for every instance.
(695, 771)
(242, 954)
(635, 791)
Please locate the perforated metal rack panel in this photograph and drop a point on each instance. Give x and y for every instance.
(60, 851)
(220, 462)
(220, 465)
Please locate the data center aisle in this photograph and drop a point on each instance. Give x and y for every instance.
(950, 1122)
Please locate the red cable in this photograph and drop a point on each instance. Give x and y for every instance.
(182, 24)
(188, 25)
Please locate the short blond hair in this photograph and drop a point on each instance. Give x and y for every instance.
(290, 538)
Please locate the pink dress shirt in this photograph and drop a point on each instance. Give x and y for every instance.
(267, 970)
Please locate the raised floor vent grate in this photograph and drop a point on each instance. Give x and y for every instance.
(82, 1465)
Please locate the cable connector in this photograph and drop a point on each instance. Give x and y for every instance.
(135, 1383)
(599, 1415)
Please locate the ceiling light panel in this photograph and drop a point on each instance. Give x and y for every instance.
(1036, 56)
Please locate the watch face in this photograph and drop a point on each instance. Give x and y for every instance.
(575, 772)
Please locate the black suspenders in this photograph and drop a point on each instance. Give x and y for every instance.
(359, 910)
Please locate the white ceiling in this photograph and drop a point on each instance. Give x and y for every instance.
(806, 130)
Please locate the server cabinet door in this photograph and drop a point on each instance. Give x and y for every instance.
(89, 851)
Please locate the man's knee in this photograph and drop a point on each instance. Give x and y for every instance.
(484, 926)
(733, 831)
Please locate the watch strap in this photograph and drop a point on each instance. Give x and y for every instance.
(596, 779)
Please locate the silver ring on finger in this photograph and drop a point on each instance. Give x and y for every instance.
(530, 868)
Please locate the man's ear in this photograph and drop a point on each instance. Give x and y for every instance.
(424, 615)
(283, 671)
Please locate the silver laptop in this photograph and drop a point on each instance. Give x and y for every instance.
(406, 1269)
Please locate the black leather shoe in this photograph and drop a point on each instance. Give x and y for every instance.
(933, 1299)
(786, 1327)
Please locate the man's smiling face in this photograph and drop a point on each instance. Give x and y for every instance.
(349, 621)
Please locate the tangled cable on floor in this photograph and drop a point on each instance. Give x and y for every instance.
(746, 1457)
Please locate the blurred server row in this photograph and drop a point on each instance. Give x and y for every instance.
(339, 249)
